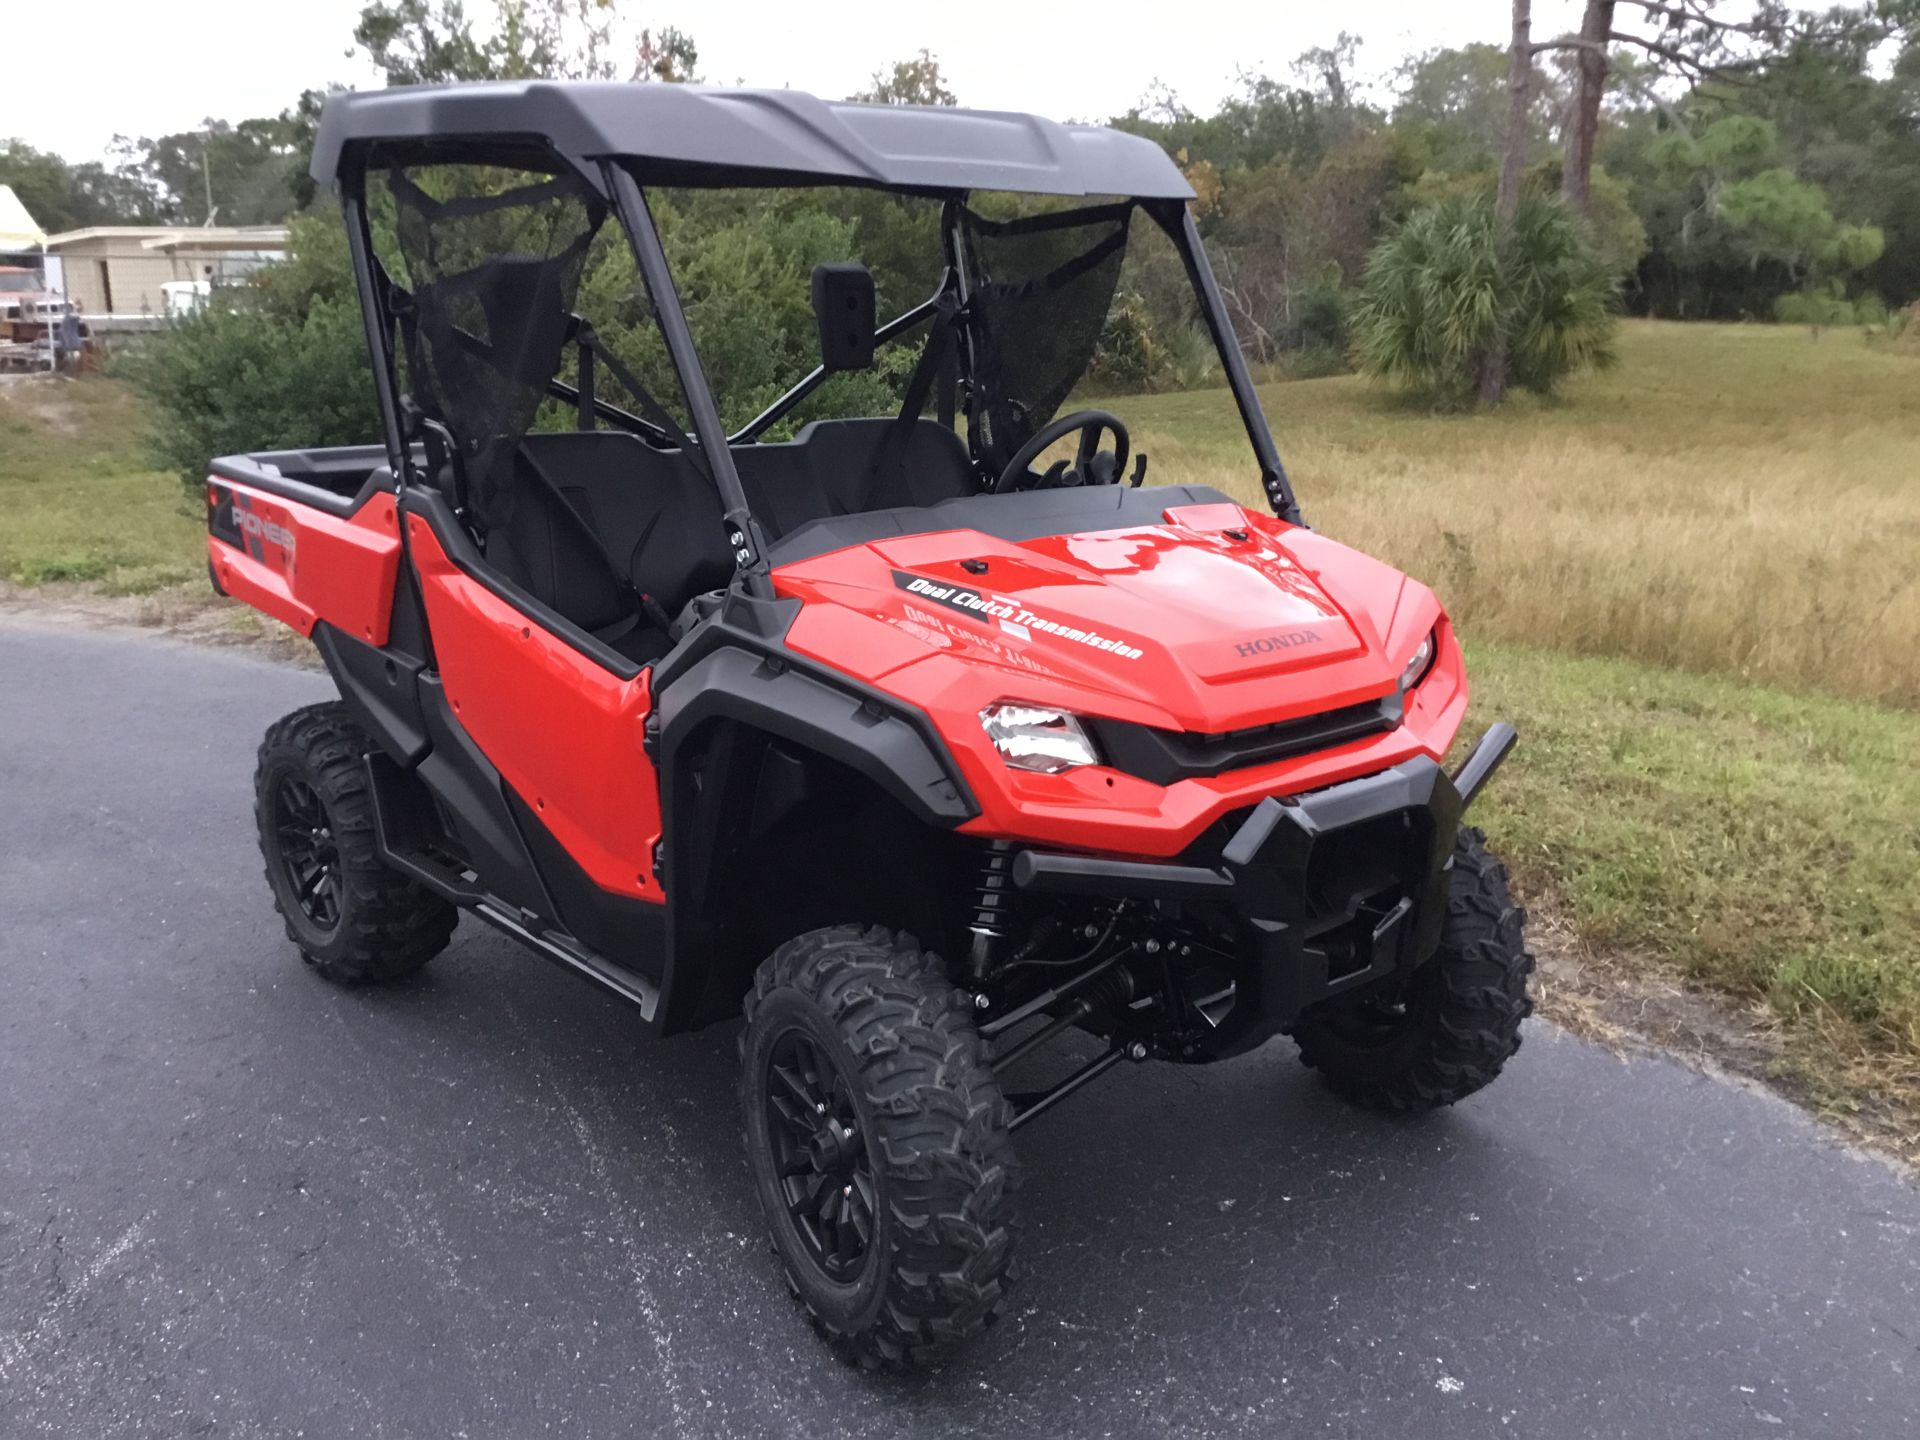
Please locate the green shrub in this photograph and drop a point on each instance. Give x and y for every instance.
(1132, 357)
(1442, 292)
(1323, 315)
(277, 364)
(1823, 306)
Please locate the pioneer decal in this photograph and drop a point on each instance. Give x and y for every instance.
(1280, 640)
(1010, 616)
(232, 518)
(261, 528)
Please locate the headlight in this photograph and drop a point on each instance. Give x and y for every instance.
(1033, 737)
(1416, 670)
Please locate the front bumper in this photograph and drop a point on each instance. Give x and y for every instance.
(1327, 892)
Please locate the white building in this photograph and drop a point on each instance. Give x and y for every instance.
(124, 269)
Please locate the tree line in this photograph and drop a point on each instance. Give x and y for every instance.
(1479, 223)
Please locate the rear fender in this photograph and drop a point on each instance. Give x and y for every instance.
(301, 564)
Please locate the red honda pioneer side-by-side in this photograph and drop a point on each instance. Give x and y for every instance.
(933, 739)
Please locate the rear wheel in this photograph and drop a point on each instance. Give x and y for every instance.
(877, 1136)
(355, 920)
(1457, 1022)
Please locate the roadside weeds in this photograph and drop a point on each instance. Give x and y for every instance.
(189, 612)
(1636, 1005)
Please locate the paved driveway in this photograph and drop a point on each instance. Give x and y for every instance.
(237, 1201)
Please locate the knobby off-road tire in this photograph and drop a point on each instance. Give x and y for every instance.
(894, 1217)
(1459, 1021)
(354, 919)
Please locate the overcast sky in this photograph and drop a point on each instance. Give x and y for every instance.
(143, 69)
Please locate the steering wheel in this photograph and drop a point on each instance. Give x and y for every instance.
(1092, 424)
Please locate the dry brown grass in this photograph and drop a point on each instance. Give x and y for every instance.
(1737, 499)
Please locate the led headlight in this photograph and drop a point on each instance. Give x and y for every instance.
(1417, 667)
(1034, 737)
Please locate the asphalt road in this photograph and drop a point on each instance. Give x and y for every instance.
(237, 1201)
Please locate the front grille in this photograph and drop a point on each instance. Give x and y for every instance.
(1164, 756)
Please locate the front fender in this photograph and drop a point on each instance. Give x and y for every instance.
(735, 679)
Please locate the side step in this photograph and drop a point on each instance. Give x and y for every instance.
(404, 844)
(564, 951)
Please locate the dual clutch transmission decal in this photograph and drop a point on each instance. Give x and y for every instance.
(1009, 615)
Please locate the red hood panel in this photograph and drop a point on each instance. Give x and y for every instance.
(1225, 609)
(1215, 619)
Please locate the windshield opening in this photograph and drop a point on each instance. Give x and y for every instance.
(1071, 302)
(743, 261)
(519, 310)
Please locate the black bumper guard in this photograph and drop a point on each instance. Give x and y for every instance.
(1264, 877)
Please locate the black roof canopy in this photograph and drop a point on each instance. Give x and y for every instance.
(770, 136)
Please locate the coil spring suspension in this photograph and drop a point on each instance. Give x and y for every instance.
(992, 898)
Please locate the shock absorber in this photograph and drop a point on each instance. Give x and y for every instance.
(992, 897)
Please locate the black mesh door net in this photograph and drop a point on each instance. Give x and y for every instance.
(1042, 285)
(494, 267)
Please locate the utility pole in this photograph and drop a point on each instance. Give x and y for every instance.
(206, 174)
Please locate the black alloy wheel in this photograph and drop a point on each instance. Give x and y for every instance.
(308, 851)
(355, 920)
(877, 1139)
(825, 1173)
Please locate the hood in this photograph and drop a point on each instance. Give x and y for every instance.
(1211, 620)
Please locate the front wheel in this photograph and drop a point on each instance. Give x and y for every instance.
(1457, 1022)
(877, 1136)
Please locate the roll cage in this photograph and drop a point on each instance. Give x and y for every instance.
(599, 137)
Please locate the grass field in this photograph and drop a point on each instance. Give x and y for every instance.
(77, 499)
(1693, 583)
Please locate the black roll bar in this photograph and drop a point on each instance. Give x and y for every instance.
(373, 309)
(743, 531)
(1213, 308)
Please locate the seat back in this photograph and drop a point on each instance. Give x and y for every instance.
(656, 517)
(658, 522)
(545, 548)
(827, 469)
